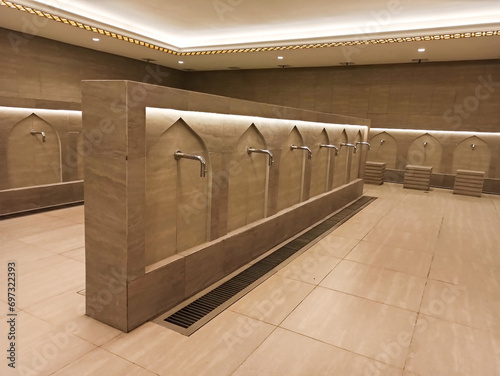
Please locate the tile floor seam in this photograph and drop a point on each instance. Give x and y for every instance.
(127, 360)
(490, 333)
(338, 347)
(262, 320)
(253, 351)
(367, 299)
(316, 284)
(383, 267)
(408, 354)
(342, 259)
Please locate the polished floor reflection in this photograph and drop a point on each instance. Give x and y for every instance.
(410, 286)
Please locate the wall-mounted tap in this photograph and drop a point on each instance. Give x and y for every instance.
(473, 146)
(382, 141)
(178, 155)
(33, 132)
(331, 147)
(309, 152)
(251, 150)
(364, 143)
(349, 146)
(425, 144)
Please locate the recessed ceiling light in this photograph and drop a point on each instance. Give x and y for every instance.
(181, 62)
(95, 39)
(421, 49)
(280, 57)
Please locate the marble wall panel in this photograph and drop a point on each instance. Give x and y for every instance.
(320, 165)
(340, 164)
(383, 151)
(291, 171)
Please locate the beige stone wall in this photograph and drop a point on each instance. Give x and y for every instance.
(44, 70)
(458, 96)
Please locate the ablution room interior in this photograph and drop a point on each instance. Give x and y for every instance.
(239, 188)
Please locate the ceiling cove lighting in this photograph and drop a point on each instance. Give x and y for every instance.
(138, 42)
(180, 62)
(96, 39)
(280, 57)
(421, 50)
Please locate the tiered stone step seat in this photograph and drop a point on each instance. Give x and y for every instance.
(417, 177)
(469, 183)
(374, 173)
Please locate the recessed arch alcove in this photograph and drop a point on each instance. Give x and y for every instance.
(426, 150)
(291, 171)
(339, 169)
(31, 160)
(320, 165)
(355, 157)
(472, 154)
(247, 184)
(177, 198)
(383, 149)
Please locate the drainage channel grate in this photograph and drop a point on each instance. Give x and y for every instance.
(195, 314)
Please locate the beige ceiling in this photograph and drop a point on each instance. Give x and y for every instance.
(187, 26)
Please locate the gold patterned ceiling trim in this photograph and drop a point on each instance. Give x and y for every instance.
(152, 46)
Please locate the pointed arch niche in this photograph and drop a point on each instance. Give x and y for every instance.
(320, 165)
(291, 173)
(355, 158)
(30, 161)
(383, 149)
(177, 198)
(340, 165)
(429, 154)
(248, 177)
(469, 157)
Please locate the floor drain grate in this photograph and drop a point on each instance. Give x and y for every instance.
(192, 316)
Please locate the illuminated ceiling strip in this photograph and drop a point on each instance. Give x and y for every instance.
(245, 50)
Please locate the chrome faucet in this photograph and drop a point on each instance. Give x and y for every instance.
(364, 143)
(178, 155)
(309, 152)
(330, 147)
(350, 146)
(251, 150)
(33, 132)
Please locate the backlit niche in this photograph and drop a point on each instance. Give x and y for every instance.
(355, 157)
(426, 150)
(383, 149)
(320, 165)
(291, 171)
(33, 154)
(340, 164)
(248, 177)
(177, 197)
(472, 154)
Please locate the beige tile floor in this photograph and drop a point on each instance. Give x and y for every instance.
(410, 286)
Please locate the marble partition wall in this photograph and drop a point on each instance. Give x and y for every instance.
(157, 232)
(39, 171)
(445, 152)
